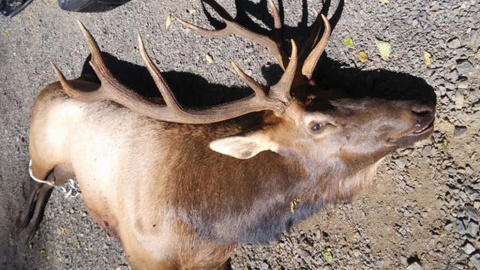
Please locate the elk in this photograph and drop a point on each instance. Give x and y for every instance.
(181, 187)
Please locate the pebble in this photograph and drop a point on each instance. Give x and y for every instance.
(475, 260)
(415, 266)
(460, 227)
(403, 260)
(468, 169)
(454, 43)
(459, 130)
(468, 248)
(459, 100)
(472, 229)
(448, 226)
(400, 163)
(264, 266)
(464, 67)
(474, 75)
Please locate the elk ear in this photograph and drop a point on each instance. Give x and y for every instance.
(243, 146)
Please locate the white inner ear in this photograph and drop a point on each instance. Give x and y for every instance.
(243, 147)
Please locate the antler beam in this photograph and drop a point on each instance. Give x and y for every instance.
(172, 111)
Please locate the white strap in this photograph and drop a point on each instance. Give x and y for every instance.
(50, 183)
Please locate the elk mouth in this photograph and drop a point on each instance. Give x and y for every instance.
(420, 133)
(424, 129)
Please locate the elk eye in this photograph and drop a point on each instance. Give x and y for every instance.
(317, 127)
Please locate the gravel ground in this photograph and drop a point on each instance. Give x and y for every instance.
(422, 211)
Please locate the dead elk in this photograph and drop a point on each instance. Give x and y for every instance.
(181, 187)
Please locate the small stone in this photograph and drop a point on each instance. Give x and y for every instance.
(403, 260)
(468, 248)
(357, 253)
(463, 85)
(454, 43)
(459, 130)
(474, 75)
(123, 267)
(400, 163)
(476, 204)
(459, 100)
(464, 67)
(427, 150)
(448, 226)
(468, 170)
(415, 266)
(475, 260)
(472, 229)
(460, 226)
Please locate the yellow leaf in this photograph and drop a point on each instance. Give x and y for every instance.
(348, 42)
(209, 58)
(383, 1)
(7, 33)
(428, 58)
(41, 251)
(363, 57)
(478, 54)
(168, 22)
(384, 48)
(84, 214)
(63, 231)
(192, 10)
(294, 204)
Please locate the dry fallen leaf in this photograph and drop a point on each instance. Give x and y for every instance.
(384, 48)
(363, 57)
(383, 1)
(428, 58)
(478, 54)
(41, 251)
(209, 58)
(168, 22)
(294, 204)
(327, 256)
(7, 33)
(192, 10)
(84, 214)
(348, 42)
(63, 231)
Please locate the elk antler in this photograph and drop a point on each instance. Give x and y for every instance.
(313, 47)
(110, 89)
(312, 59)
(233, 28)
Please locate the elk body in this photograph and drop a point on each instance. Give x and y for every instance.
(180, 187)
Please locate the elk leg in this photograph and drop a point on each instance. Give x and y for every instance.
(32, 214)
(226, 266)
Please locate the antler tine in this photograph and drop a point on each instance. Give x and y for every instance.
(160, 82)
(277, 21)
(312, 59)
(110, 88)
(89, 94)
(82, 90)
(281, 90)
(258, 88)
(233, 28)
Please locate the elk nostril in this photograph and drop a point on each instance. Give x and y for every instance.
(422, 111)
(424, 116)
